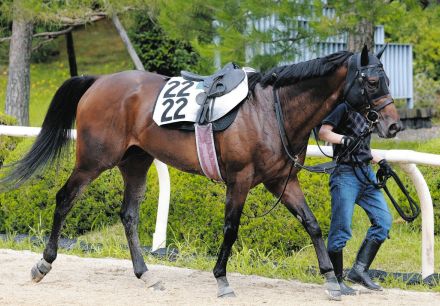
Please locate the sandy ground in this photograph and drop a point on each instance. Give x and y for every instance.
(88, 281)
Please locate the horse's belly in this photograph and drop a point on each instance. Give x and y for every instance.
(175, 148)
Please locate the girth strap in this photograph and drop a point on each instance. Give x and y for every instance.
(206, 151)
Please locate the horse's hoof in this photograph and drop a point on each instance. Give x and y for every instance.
(333, 289)
(39, 270)
(334, 295)
(152, 282)
(226, 292)
(223, 288)
(36, 275)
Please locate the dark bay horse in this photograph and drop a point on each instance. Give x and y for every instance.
(115, 128)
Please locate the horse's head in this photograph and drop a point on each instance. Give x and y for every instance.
(366, 90)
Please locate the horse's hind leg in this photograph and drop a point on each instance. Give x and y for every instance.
(295, 202)
(134, 168)
(64, 202)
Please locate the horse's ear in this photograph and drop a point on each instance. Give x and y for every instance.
(380, 52)
(364, 56)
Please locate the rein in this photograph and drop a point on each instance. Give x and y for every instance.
(293, 157)
(285, 141)
(323, 168)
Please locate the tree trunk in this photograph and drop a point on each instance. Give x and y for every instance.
(71, 54)
(18, 89)
(130, 49)
(363, 34)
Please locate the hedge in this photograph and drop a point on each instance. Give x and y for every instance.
(196, 207)
(7, 144)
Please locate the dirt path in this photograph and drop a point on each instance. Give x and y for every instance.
(86, 281)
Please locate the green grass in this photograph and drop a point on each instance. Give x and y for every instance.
(99, 50)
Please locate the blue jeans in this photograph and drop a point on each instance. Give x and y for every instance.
(346, 190)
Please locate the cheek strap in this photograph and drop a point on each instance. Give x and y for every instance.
(388, 101)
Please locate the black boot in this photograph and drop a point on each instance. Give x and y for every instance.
(359, 273)
(337, 261)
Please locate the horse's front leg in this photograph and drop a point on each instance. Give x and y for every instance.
(236, 193)
(295, 202)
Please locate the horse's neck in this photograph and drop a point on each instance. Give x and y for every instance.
(304, 110)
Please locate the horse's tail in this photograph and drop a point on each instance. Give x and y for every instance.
(55, 132)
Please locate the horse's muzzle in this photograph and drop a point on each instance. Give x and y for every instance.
(393, 129)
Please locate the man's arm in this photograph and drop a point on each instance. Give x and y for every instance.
(326, 133)
(376, 157)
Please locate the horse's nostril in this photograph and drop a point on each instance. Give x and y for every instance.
(394, 128)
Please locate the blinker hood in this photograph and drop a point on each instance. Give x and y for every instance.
(358, 92)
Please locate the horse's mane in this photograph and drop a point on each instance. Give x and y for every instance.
(291, 74)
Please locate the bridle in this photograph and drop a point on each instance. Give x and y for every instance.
(357, 77)
(360, 80)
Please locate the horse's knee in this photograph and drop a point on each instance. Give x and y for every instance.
(313, 228)
(128, 217)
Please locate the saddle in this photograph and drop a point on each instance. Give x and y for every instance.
(215, 85)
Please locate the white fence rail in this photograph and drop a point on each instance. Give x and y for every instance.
(406, 159)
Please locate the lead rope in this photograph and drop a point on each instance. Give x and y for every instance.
(382, 181)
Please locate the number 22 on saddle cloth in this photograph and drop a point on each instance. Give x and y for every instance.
(178, 101)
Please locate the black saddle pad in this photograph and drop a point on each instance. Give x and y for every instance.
(217, 126)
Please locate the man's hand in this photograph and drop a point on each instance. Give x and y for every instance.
(347, 141)
(385, 166)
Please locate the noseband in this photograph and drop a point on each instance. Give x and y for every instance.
(360, 78)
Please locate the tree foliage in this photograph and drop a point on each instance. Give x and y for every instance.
(228, 27)
(418, 24)
(348, 13)
(231, 28)
(157, 51)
